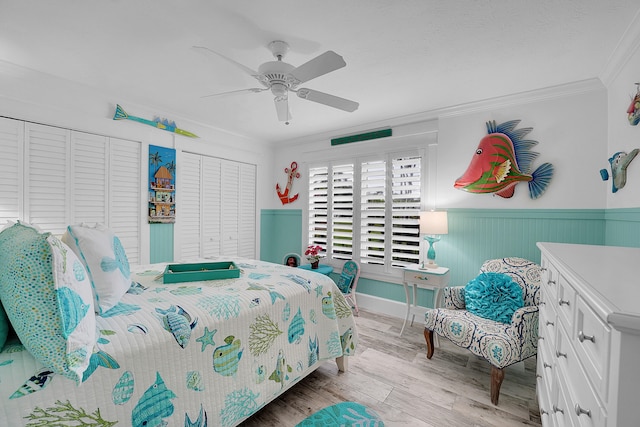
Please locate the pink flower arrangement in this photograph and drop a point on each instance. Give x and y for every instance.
(313, 253)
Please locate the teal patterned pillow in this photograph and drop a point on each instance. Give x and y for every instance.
(493, 296)
(105, 260)
(47, 296)
(344, 282)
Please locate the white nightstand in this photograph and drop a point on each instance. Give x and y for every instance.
(430, 278)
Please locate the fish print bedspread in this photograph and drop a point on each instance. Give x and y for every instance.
(192, 353)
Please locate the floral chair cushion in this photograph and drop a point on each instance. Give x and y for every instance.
(501, 344)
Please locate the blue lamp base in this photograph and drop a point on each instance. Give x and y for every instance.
(431, 253)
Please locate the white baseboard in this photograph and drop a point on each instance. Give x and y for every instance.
(382, 305)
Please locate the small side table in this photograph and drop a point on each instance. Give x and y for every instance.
(322, 268)
(426, 278)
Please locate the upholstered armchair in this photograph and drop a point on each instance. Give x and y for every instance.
(501, 344)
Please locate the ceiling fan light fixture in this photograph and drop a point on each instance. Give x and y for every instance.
(279, 89)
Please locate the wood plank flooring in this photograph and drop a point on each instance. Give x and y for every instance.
(392, 375)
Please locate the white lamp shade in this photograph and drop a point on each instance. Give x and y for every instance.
(433, 222)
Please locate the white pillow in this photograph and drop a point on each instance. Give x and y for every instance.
(105, 260)
(46, 293)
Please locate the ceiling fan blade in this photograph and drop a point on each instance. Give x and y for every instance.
(318, 66)
(326, 99)
(253, 89)
(282, 108)
(237, 64)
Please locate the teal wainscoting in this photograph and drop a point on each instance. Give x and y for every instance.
(280, 233)
(623, 227)
(161, 242)
(476, 235)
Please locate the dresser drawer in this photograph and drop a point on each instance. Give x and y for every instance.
(426, 279)
(592, 340)
(582, 399)
(566, 303)
(561, 406)
(549, 278)
(545, 368)
(548, 320)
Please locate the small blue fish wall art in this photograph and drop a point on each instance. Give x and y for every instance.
(618, 163)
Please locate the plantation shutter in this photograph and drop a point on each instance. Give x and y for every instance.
(125, 197)
(189, 199)
(47, 180)
(211, 207)
(318, 207)
(373, 203)
(89, 160)
(247, 211)
(405, 183)
(11, 168)
(342, 211)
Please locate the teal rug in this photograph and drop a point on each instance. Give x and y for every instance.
(348, 414)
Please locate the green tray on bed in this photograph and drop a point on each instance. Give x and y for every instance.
(196, 272)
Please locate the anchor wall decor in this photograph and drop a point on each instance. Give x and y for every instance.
(293, 173)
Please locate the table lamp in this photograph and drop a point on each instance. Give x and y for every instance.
(432, 225)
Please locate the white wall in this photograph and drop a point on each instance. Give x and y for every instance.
(41, 98)
(620, 80)
(569, 123)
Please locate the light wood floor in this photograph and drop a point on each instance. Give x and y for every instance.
(392, 375)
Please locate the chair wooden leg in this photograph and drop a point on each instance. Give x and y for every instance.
(428, 337)
(497, 375)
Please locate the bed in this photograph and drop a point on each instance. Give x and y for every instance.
(193, 353)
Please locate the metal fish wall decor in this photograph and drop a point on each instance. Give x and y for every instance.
(156, 122)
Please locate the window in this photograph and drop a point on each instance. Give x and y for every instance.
(367, 209)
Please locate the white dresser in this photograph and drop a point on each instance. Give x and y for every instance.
(589, 336)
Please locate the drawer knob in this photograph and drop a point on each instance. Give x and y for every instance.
(563, 302)
(538, 376)
(546, 365)
(558, 354)
(556, 409)
(580, 411)
(550, 323)
(582, 337)
(543, 412)
(551, 282)
(540, 338)
(543, 269)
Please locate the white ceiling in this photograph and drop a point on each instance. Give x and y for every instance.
(404, 57)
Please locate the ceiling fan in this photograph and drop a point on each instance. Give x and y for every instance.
(281, 78)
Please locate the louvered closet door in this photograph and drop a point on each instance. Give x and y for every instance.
(89, 159)
(230, 207)
(47, 180)
(211, 206)
(125, 209)
(189, 195)
(11, 169)
(247, 211)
